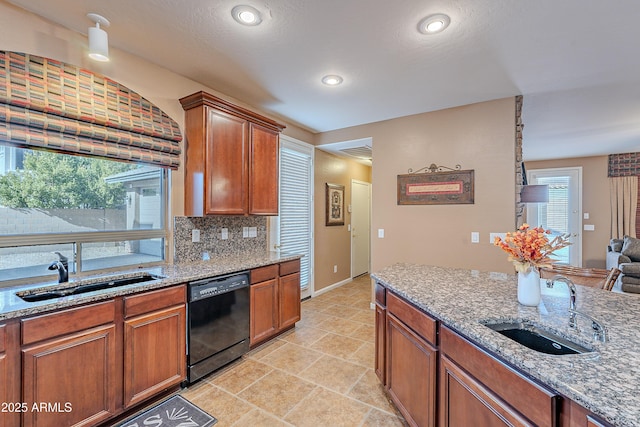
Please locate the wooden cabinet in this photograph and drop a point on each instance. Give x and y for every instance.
(10, 373)
(381, 332)
(411, 361)
(71, 364)
(154, 343)
(476, 387)
(274, 300)
(231, 159)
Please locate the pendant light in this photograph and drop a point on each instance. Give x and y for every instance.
(98, 39)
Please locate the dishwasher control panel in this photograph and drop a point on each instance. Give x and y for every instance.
(206, 288)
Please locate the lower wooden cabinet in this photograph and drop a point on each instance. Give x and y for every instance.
(85, 365)
(274, 298)
(71, 367)
(411, 361)
(10, 373)
(154, 343)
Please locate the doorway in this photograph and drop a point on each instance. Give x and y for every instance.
(563, 213)
(360, 227)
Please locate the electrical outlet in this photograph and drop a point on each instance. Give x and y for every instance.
(253, 231)
(224, 233)
(380, 233)
(195, 235)
(335, 268)
(475, 237)
(245, 232)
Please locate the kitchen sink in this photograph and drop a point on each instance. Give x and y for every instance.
(81, 287)
(537, 338)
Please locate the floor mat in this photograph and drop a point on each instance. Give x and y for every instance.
(173, 412)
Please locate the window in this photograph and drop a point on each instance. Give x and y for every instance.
(98, 213)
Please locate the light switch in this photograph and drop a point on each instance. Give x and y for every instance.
(195, 235)
(492, 236)
(253, 231)
(380, 233)
(589, 227)
(585, 215)
(245, 232)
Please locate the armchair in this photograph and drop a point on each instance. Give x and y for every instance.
(624, 254)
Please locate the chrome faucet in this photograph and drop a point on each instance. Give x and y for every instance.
(600, 332)
(572, 296)
(62, 265)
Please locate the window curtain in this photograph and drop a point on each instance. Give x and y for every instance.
(624, 202)
(47, 104)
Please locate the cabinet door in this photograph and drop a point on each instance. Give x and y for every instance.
(226, 164)
(264, 310)
(411, 374)
(289, 296)
(10, 373)
(154, 353)
(263, 171)
(75, 376)
(466, 402)
(381, 321)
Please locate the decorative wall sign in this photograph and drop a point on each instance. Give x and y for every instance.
(335, 204)
(436, 187)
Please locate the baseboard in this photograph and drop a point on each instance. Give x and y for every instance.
(331, 287)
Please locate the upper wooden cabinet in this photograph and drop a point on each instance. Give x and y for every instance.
(231, 159)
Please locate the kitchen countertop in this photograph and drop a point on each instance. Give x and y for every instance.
(12, 306)
(606, 381)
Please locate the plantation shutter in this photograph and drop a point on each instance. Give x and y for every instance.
(296, 204)
(50, 105)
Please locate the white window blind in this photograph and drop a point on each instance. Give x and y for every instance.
(555, 214)
(296, 205)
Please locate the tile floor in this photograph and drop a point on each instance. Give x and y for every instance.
(319, 374)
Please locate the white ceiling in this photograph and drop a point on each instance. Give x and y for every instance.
(576, 62)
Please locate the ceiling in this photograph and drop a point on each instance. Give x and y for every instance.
(576, 62)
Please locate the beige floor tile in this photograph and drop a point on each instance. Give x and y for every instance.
(365, 355)
(226, 407)
(291, 358)
(337, 345)
(265, 349)
(339, 325)
(277, 393)
(365, 333)
(366, 316)
(241, 376)
(370, 391)
(378, 418)
(260, 418)
(340, 311)
(334, 373)
(326, 408)
(304, 336)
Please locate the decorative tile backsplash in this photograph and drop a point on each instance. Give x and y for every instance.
(211, 242)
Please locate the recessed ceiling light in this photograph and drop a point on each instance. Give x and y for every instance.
(246, 15)
(434, 24)
(332, 80)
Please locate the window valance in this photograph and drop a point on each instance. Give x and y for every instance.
(48, 104)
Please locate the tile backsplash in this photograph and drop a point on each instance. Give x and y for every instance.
(211, 242)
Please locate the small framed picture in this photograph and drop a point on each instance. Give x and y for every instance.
(335, 205)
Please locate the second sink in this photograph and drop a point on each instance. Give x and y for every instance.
(537, 338)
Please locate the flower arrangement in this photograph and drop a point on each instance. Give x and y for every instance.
(530, 247)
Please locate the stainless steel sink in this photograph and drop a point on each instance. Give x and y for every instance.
(67, 289)
(537, 338)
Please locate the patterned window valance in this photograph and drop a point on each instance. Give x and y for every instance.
(625, 164)
(48, 104)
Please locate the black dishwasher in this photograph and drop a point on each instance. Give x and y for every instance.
(217, 323)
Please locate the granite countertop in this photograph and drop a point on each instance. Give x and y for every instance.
(606, 381)
(12, 306)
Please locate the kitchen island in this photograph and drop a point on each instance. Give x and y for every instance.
(605, 382)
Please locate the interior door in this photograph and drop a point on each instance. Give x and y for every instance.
(360, 227)
(563, 212)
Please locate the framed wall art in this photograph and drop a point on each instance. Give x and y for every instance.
(436, 188)
(334, 204)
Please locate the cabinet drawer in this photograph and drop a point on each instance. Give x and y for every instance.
(289, 267)
(154, 300)
(381, 295)
(64, 322)
(264, 273)
(535, 402)
(421, 323)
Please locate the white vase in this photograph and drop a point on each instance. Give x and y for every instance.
(529, 287)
